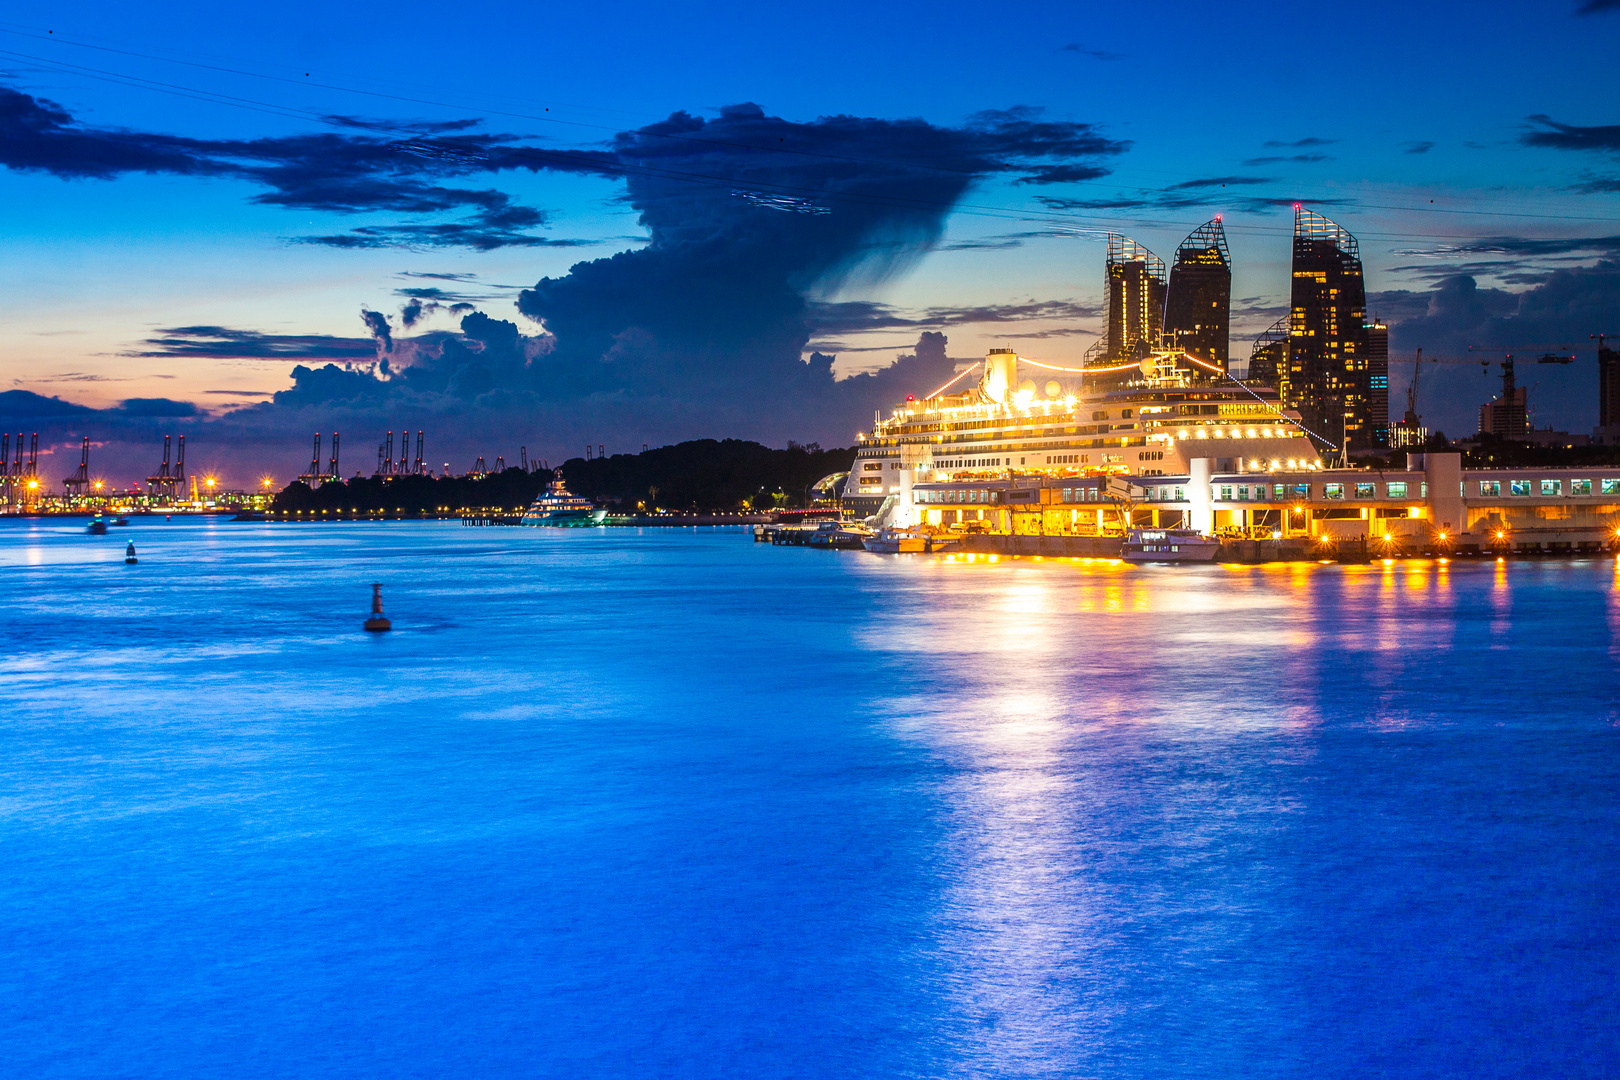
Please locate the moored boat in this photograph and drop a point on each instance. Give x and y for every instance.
(895, 541)
(1169, 545)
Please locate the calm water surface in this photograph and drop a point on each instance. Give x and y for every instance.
(610, 803)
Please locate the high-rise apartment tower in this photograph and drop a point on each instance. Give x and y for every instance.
(1135, 286)
(1326, 377)
(1198, 307)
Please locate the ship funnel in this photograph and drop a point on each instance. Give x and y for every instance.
(1000, 378)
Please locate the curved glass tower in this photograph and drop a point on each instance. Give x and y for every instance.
(1135, 286)
(1198, 307)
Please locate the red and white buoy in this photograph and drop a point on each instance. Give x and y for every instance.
(377, 622)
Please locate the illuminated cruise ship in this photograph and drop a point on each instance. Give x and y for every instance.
(1010, 441)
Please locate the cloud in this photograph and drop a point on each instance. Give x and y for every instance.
(1603, 139)
(1597, 7)
(27, 405)
(1417, 147)
(1095, 54)
(1564, 306)
(1310, 140)
(1602, 185)
(381, 332)
(702, 329)
(339, 172)
(157, 407)
(1294, 159)
(1220, 181)
(223, 343)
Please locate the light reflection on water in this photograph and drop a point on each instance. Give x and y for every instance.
(612, 803)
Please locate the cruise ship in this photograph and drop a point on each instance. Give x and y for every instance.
(1033, 434)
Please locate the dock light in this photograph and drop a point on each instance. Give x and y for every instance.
(1500, 535)
(210, 481)
(1442, 536)
(32, 484)
(98, 485)
(1388, 538)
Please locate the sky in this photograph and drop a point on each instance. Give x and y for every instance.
(617, 224)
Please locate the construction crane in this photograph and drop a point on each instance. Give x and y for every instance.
(332, 465)
(80, 480)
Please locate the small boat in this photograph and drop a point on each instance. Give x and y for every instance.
(839, 535)
(559, 507)
(895, 542)
(120, 520)
(97, 527)
(1169, 545)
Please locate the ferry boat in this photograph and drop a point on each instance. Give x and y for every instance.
(558, 507)
(1169, 545)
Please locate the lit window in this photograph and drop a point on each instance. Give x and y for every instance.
(1332, 491)
(1580, 487)
(1611, 487)
(1552, 487)
(1519, 488)
(1491, 488)
(1397, 489)
(1366, 491)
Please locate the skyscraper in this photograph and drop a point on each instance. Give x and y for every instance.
(1135, 286)
(1327, 330)
(1378, 381)
(1198, 307)
(1608, 386)
(1268, 360)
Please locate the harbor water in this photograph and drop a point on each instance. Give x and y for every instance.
(668, 803)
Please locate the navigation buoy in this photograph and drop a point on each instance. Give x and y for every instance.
(129, 555)
(377, 622)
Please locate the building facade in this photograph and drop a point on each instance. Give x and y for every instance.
(1135, 283)
(1326, 376)
(1378, 381)
(1198, 305)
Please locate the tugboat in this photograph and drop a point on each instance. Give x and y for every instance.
(558, 507)
(97, 526)
(1169, 545)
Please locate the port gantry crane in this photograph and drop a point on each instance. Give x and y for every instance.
(80, 480)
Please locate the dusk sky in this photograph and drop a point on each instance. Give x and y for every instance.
(197, 201)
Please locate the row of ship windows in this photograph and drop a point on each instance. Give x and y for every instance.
(1394, 489)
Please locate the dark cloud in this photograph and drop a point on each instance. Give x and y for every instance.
(24, 405)
(1604, 138)
(223, 343)
(703, 330)
(381, 331)
(1597, 7)
(1602, 185)
(342, 173)
(1297, 144)
(1293, 159)
(1095, 54)
(158, 407)
(1220, 181)
(1417, 147)
(361, 170)
(1564, 306)
(862, 316)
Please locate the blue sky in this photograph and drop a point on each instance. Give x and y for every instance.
(1413, 125)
